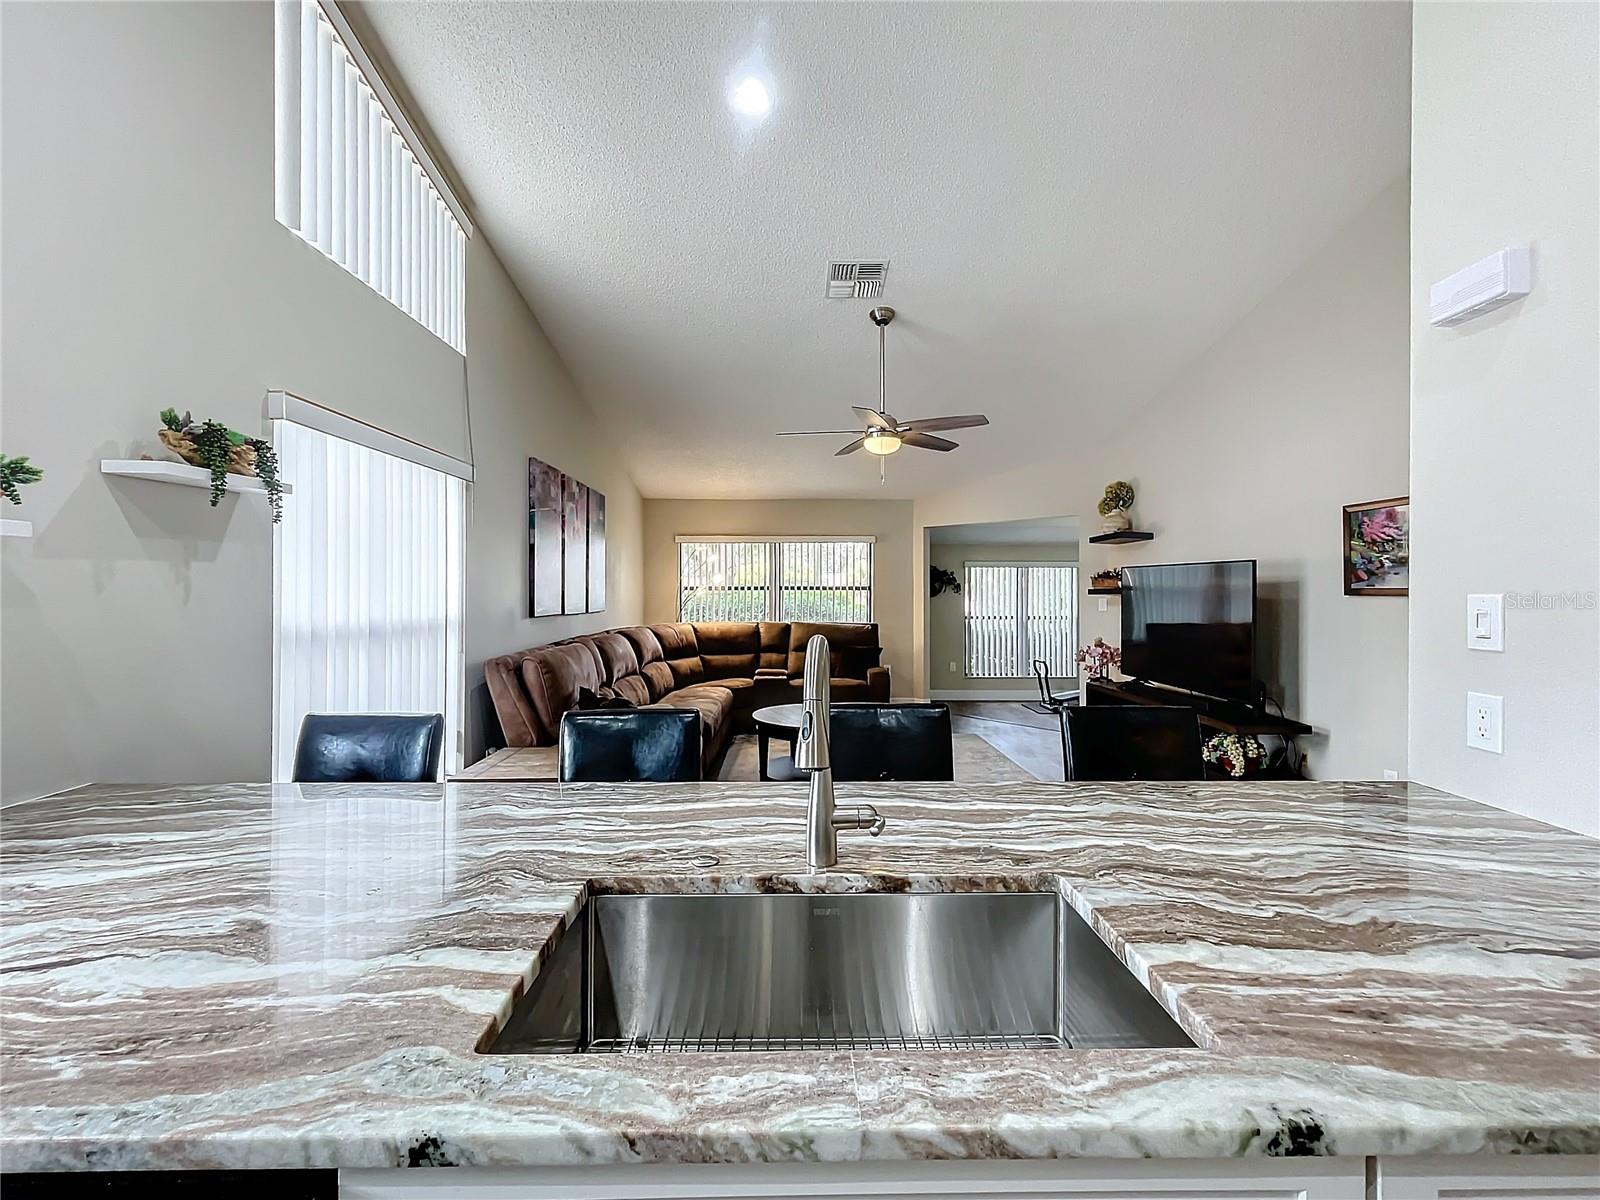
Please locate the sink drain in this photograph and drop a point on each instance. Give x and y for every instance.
(704, 861)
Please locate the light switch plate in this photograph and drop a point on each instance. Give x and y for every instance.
(1486, 621)
(1485, 726)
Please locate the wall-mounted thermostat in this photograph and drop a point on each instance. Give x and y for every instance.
(1483, 287)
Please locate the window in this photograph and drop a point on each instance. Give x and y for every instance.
(775, 579)
(353, 180)
(367, 567)
(1017, 612)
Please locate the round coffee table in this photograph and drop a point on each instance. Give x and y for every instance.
(777, 720)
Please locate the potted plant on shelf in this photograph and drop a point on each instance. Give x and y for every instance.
(1099, 658)
(1239, 755)
(1106, 581)
(15, 474)
(1114, 506)
(223, 451)
(942, 580)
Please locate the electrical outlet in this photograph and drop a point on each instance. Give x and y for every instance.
(955, 667)
(1390, 773)
(1484, 724)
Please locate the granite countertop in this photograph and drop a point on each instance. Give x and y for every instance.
(244, 975)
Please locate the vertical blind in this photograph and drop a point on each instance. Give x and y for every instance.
(368, 571)
(775, 579)
(1017, 612)
(349, 183)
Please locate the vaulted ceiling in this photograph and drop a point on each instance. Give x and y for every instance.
(1076, 199)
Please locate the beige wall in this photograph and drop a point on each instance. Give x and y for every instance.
(1298, 410)
(887, 520)
(1505, 415)
(143, 268)
(947, 636)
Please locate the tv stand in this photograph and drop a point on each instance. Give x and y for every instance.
(1224, 716)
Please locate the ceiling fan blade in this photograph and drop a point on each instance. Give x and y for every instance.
(932, 423)
(851, 448)
(873, 418)
(819, 433)
(926, 441)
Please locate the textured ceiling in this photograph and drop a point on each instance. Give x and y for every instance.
(1076, 200)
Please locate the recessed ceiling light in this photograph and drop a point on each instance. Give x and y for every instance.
(751, 90)
(750, 97)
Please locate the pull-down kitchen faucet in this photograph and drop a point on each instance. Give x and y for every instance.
(823, 819)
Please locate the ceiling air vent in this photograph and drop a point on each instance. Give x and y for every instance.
(856, 280)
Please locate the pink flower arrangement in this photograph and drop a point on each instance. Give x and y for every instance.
(1100, 658)
(1382, 526)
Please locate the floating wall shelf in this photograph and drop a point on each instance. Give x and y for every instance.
(158, 471)
(9, 528)
(1122, 538)
(1105, 591)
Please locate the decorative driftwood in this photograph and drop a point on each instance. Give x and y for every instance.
(241, 459)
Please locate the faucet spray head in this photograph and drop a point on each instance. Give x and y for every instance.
(811, 746)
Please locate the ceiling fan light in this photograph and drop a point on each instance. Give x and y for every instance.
(880, 441)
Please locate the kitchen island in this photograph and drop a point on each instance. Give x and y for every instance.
(255, 976)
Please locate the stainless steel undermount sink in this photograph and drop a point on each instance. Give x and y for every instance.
(953, 970)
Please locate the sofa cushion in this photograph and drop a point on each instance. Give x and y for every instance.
(686, 672)
(713, 703)
(774, 646)
(617, 655)
(552, 676)
(658, 679)
(728, 648)
(634, 689)
(859, 639)
(646, 646)
(682, 651)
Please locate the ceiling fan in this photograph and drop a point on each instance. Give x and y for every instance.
(884, 434)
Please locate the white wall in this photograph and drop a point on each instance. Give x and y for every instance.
(889, 521)
(143, 268)
(1251, 453)
(946, 620)
(524, 402)
(1505, 412)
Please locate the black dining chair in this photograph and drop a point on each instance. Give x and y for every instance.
(1052, 700)
(1107, 742)
(369, 748)
(641, 745)
(890, 741)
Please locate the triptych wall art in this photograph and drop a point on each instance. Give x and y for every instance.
(566, 544)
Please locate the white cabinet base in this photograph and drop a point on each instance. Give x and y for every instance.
(1506, 1177)
(1534, 1177)
(1054, 1179)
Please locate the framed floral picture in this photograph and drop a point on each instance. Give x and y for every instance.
(1377, 548)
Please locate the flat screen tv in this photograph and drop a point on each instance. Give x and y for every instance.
(1192, 626)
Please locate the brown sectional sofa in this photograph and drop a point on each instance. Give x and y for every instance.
(722, 669)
